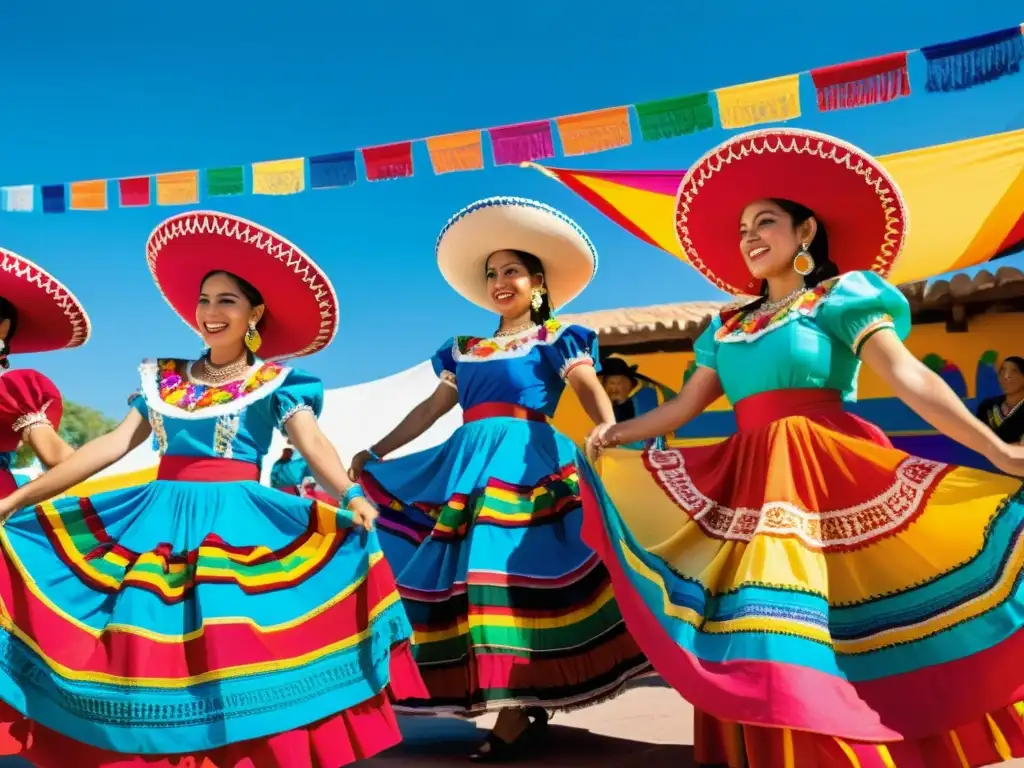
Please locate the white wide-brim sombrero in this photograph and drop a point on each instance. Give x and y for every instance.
(849, 191)
(301, 315)
(49, 315)
(515, 223)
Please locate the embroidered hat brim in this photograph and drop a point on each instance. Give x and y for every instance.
(301, 314)
(849, 191)
(49, 315)
(515, 223)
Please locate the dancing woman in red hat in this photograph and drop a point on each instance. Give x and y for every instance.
(821, 598)
(204, 619)
(37, 314)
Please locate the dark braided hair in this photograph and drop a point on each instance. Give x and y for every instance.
(251, 294)
(8, 312)
(824, 267)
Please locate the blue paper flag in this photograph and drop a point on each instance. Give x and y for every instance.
(53, 198)
(334, 170)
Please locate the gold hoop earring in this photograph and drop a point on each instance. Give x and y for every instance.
(537, 299)
(803, 263)
(253, 341)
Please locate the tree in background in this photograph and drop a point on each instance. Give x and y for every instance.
(79, 425)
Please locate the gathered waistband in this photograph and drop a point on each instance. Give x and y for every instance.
(762, 409)
(201, 469)
(501, 410)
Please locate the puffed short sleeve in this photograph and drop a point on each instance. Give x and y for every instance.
(300, 391)
(860, 305)
(443, 363)
(573, 346)
(705, 348)
(28, 399)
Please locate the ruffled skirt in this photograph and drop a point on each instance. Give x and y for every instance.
(509, 607)
(198, 623)
(821, 598)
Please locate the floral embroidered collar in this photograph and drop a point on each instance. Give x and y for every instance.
(179, 391)
(469, 347)
(746, 325)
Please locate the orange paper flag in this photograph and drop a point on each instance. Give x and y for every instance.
(456, 152)
(591, 132)
(179, 188)
(89, 195)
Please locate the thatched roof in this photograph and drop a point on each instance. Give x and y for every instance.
(666, 327)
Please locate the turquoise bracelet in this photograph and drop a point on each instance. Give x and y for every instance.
(373, 454)
(355, 491)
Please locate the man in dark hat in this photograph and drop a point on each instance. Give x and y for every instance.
(632, 394)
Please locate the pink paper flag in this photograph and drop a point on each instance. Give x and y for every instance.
(523, 143)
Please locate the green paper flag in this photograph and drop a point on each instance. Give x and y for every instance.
(221, 182)
(677, 116)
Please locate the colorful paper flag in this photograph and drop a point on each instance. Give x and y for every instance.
(390, 161)
(523, 143)
(678, 116)
(53, 198)
(178, 188)
(765, 101)
(222, 182)
(337, 169)
(859, 83)
(19, 199)
(456, 152)
(976, 60)
(89, 195)
(134, 192)
(279, 177)
(590, 132)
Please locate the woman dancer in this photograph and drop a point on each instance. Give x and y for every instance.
(205, 619)
(820, 597)
(1004, 414)
(37, 314)
(511, 611)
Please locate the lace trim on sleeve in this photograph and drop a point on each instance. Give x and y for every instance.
(574, 362)
(291, 412)
(32, 420)
(447, 377)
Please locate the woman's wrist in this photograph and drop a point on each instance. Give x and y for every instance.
(376, 452)
(354, 491)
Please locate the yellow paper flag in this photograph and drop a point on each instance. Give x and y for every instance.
(766, 101)
(456, 152)
(279, 177)
(89, 195)
(179, 188)
(597, 131)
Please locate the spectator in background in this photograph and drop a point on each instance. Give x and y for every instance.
(633, 394)
(1004, 413)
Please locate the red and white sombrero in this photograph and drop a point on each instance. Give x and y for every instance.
(848, 190)
(301, 314)
(49, 315)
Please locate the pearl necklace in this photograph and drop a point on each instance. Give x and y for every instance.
(220, 374)
(771, 307)
(1007, 413)
(514, 331)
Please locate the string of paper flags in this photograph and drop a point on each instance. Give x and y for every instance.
(951, 66)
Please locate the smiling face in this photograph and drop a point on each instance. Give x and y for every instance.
(223, 313)
(770, 240)
(1011, 378)
(509, 284)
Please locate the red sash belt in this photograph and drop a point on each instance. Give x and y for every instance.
(762, 409)
(501, 410)
(205, 470)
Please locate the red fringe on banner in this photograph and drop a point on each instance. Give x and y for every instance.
(859, 83)
(391, 161)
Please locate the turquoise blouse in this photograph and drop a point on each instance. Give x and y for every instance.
(240, 428)
(814, 343)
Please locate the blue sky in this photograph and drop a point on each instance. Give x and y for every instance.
(94, 90)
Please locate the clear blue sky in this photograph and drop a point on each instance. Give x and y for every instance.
(119, 88)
